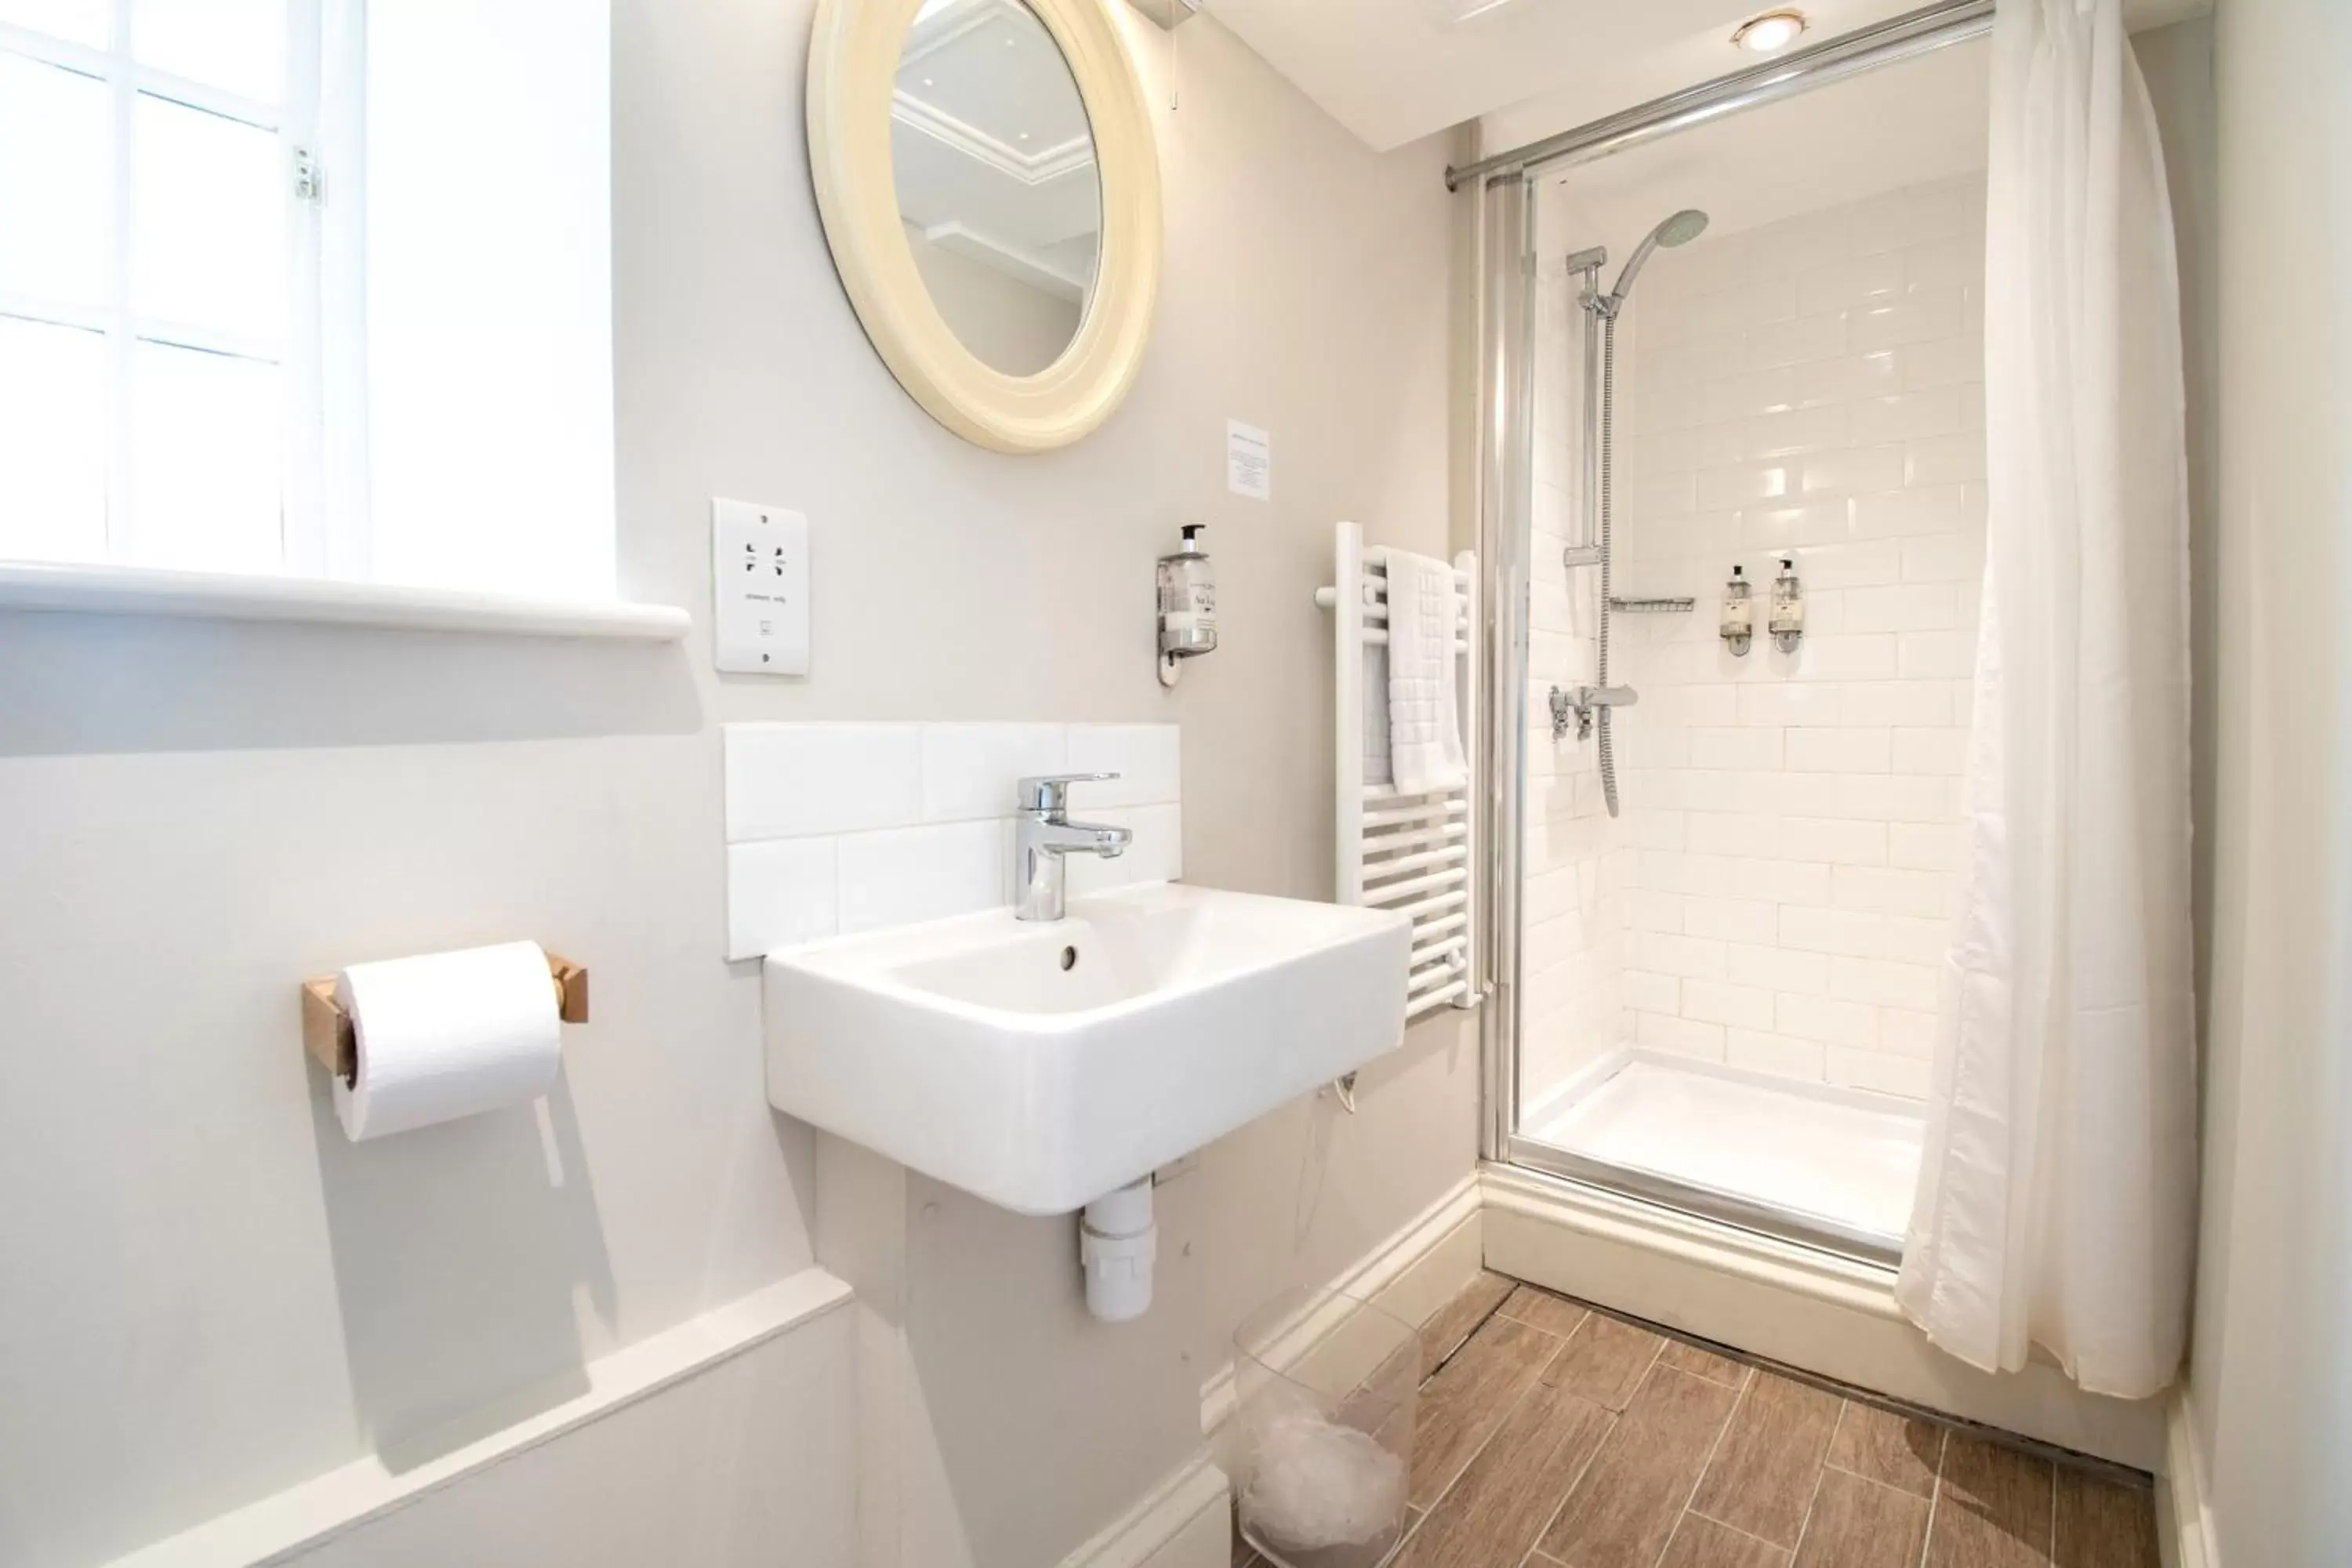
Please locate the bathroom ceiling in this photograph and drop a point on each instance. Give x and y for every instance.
(1395, 71)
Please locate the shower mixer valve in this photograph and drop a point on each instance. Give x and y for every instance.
(1577, 704)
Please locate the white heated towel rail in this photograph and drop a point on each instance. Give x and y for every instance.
(1413, 853)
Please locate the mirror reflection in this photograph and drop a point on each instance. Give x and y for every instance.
(995, 175)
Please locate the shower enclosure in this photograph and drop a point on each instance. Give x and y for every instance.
(1723, 870)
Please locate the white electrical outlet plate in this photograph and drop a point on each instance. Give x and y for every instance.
(760, 578)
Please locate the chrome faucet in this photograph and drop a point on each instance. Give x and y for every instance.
(1043, 832)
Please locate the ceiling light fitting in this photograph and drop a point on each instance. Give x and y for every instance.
(1770, 33)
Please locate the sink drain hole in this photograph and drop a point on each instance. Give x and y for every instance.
(1069, 958)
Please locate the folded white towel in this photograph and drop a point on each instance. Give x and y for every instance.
(1424, 719)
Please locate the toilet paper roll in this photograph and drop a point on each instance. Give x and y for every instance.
(446, 1034)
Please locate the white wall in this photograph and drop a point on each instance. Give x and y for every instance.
(1012, 326)
(210, 1295)
(2270, 1381)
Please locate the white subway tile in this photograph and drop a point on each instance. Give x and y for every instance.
(1776, 968)
(1860, 564)
(1838, 751)
(1731, 919)
(1955, 558)
(1149, 759)
(1649, 991)
(1891, 891)
(1745, 396)
(1893, 702)
(1682, 1036)
(1906, 415)
(1729, 833)
(1853, 471)
(1705, 876)
(1784, 702)
(1715, 1002)
(1855, 281)
(1833, 841)
(1881, 1071)
(1743, 484)
(1647, 909)
(1941, 361)
(1900, 607)
(1783, 881)
(1889, 797)
(1915, 318)
(1931, 751)
(1796, 431)
(790, 781)
(1795, 341)
(1736, 748)
(1885, 982)
(1653, 830)
(1869, 655)
(1922, 845)
(1950, 262)
(1930, 509)
(1796, 524)
(1955, 458)
(1848, 377)
(780, 892)
(1908, 1034)
(1779, 1055)
(1936, 656)
(969, 769)
(1864, 934)
(1652, 497)
(901, 875)
(1795, 245)
(1690, 957)
(1826, 1019)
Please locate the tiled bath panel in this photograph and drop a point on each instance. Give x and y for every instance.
(1809, 390)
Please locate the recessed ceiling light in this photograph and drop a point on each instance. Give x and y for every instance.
(1770, 33)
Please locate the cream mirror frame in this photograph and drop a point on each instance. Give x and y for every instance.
(854, 62)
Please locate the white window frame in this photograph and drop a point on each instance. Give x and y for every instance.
(304, 545)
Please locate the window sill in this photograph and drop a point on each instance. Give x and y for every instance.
(145, 591)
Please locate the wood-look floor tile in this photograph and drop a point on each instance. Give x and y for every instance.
(1605, 1361)
(1762, 1477)
(1625, 1507)
(1452, 1325)
(1544, 1310)
(1703, 1543)
(2103, 1525)
(1992, 1509)
(1469, 1397)
(1858, 1523)
(1493, 1513)
(1705, 1364)
(1888, 1448)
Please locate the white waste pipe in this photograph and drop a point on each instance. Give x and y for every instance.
(1116, 1243)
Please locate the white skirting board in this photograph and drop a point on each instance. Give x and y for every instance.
(1186, 1522)
(1788, 1303)
(657, 1461)
(1410, 1275)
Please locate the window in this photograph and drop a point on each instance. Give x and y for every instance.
(308, 286)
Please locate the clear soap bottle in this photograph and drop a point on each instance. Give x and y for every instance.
(1788, 622)
(1739, 622)
(1188, 599)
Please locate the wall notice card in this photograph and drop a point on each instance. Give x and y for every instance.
(1249, 461)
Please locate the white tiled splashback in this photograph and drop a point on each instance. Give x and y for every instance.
(1777, 892)
(834, 829)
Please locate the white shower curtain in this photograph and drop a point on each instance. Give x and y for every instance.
(2056, 1198)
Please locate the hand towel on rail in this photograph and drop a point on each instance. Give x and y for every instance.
(1424, 719)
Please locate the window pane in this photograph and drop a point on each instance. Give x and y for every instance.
(81, 21)
(206, 463)
(208, 234)
(52, 442)
(55, 178)
(239, 45)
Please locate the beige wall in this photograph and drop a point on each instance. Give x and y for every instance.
(209, 1295)
(1012, 326)
(2271, 1371)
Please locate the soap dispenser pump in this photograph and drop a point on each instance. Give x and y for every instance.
(1738, 628)
(1188, 603)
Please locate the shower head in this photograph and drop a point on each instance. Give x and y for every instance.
(1679, 229)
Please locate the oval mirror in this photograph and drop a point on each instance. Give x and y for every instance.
(990, 186)
(993, 164)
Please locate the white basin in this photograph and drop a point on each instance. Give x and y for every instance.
(1044, 1064)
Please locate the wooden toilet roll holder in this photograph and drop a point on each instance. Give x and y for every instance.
(328, 1034)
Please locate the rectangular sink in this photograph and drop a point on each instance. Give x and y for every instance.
(1042, 1064)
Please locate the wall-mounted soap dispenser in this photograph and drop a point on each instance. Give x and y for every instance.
(1737, 626)
(1788, 623)
(1187, 604)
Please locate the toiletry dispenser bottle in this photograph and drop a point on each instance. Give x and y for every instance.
(1739, 624)
(1788, 622)
(1188, 602)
